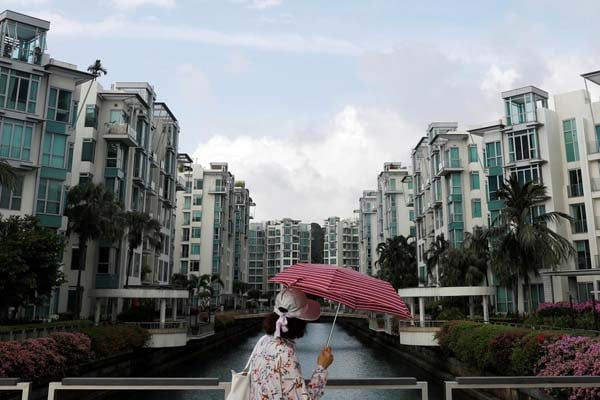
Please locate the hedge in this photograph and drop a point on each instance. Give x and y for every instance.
(224, 320)
(109, 340)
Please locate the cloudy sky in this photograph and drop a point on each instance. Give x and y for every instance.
(307, 99)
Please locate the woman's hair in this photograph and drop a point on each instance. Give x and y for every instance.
(296, 327)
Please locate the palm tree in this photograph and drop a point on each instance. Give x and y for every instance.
(8, 175)
(478, 245)
(434, 256)
(398, 261)
(92, 213)
(140, 225)
(459, 267)
(206, 288)
(97, 70)
(522, 243)
(239, 288)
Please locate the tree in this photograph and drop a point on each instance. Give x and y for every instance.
(8, 175)
(97, 70)
(206, 288)
(140, 226)
(434, 255)
(460, 267)
(239, 289)
(522, 243)
(92, 213)
(30, 257)
(478, 245)
(398, 262)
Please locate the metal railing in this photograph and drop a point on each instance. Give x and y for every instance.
(418, 324)
(157, 325)
(520, 382)
(204, 384)
(15, 385)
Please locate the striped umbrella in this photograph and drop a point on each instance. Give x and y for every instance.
(344, 286)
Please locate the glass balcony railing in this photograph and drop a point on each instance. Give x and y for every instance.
(579, 226)
(575, 190)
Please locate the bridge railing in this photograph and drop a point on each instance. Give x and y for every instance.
(204, 384)
(520, 382)
(15, 385)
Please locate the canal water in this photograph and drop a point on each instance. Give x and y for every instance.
(353, 358)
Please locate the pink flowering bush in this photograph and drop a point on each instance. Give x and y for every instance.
(572, 355)
(75, 347)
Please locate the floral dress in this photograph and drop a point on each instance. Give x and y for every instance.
(275, 373)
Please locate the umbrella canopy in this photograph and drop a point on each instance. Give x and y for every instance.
(345, 286)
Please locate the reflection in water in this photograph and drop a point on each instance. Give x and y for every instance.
(352, 359)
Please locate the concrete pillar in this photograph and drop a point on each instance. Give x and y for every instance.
(422, 311)
(486, 316)
(174, 309)
(163, 312)
(115, 310)
(412, 308)
(471, 308)
(97, 312)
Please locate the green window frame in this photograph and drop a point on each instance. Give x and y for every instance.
(475, 185)
(10, 198)
(198, 184)
(49, 196)
(195, 250)
(54, 150)
(59, 105)
(183, 267)
(493, 154)
(18, 90)
(196, 232)
(197, 200)
(88, 150)
(187, 202)
(472, 153)
(196, 216)
(456, 187)
(91, 116)
(186, 218)
(476, 208)
(411, 215)
(570, 135)
(15, 139)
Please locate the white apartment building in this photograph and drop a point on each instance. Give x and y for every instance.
(341, 245)
(257, 256)
(128, 142)
(242, 215)
(206, 226)
(367, 232)
(393, 212)
(38, 109)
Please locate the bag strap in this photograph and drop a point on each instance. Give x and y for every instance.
(247, 367)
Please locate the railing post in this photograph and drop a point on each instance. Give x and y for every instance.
(449, 385)
(424, 390)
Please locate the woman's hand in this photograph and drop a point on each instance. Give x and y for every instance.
(325, 358)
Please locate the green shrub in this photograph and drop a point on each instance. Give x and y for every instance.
(109, 340)
(224, 320)
(450, 314)
(501, 350)
(528, 349)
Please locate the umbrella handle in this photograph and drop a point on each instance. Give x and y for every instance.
(333, 325)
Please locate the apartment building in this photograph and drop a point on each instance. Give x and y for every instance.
(257, 256)
(212, 225)
(341, 242)
(367, 232)
(127, 141)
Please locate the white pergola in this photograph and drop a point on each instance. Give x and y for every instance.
(421, 293)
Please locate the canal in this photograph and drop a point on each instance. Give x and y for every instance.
(353, 359)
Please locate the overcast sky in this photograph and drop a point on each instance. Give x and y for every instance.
(307, 99)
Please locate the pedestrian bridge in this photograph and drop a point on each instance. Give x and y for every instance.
(199, 385)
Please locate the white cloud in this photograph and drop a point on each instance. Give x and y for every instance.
(126, 5)
(120, 27)
(495, 80)
(13, 4)
(193, 84)
(313, 179)
(262, 4)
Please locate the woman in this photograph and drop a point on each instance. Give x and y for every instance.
(274, 367)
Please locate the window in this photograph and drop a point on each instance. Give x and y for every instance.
(584, 291)
(530, 173)
(476, 208)
(188, 187)
(186, 218)
(475, 181)
(49, 197)
(493, 154)
(579, 222)
(571, 145)
(411, 215)
(15, 141)
(18, 90)
(472, 153)
(584, 259)
(197, 200)
(455, 186)
(91, 116)
(533, 296)
(117, 117)
(521, 109)
(88, 150)
(187, 202)
(195, 249)
(494, 184)
(452, 158)
(54, 150)
(185, 250)
(575, 188)
(183, 268)
(59, 104)
(185, 234)
(11, 199)
(196, 216)
(75, 254)
(195, 266)
(115, 155)
(504, 300)
(198, 184)
(103, 260)
(522, 145)
(196, 232)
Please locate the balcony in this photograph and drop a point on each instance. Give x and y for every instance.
(23, 38)
(575, 190)
(449, 166)
(410, 200)
(217, 190)
(579, 226)
(107, 281)
(593, 147)
(122, 133)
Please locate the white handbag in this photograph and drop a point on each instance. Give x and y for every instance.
(240, 383)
